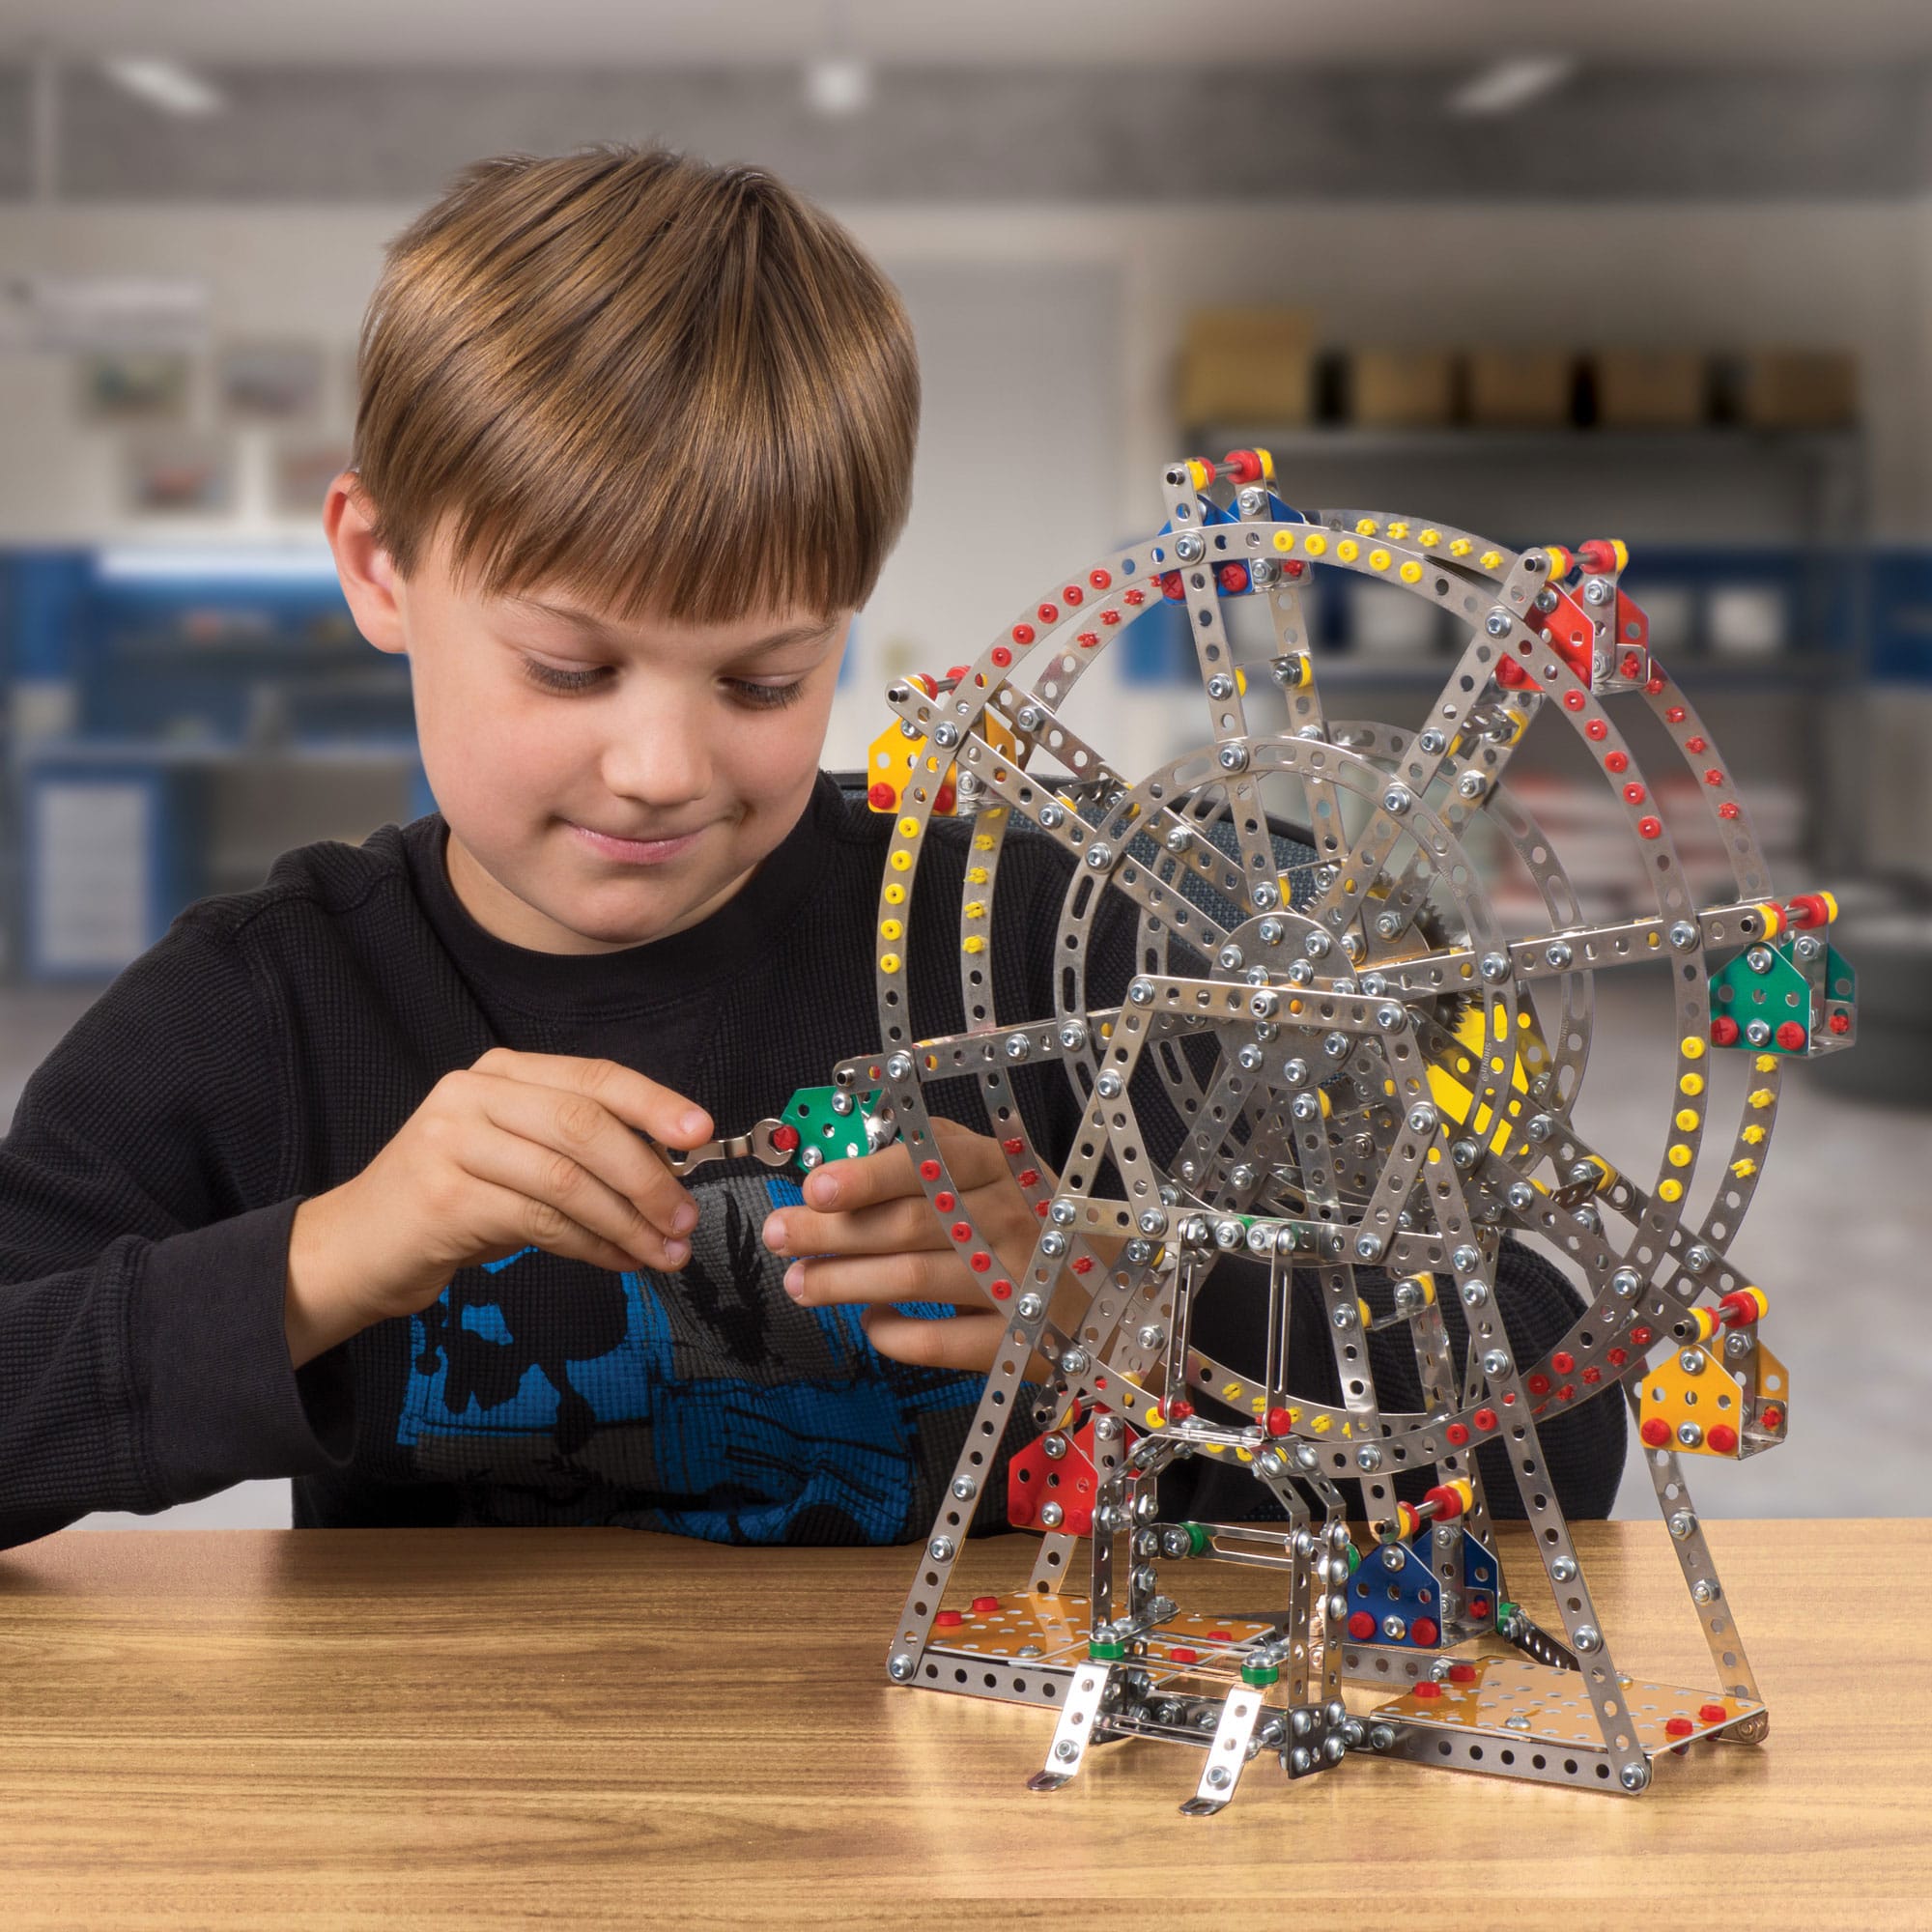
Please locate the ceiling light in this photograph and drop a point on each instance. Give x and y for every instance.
(1511, 84)
(165, 85)
(837, 85)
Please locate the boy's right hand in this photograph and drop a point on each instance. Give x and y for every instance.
(521, 1149)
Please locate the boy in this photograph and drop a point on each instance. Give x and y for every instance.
(344, 1180)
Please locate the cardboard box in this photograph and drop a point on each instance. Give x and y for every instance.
(1650, 388)
(1402, 388)
(1799, 388)
(1520, 388)
(1247, 366)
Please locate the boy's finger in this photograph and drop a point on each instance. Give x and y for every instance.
(821, 1280)
(950, 1342)
(972, 1160)
(907, 1223)
(574, 1126)
(668, 1118)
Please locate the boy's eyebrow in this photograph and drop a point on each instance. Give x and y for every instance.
(589, 621)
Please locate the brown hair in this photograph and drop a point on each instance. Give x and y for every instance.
(678, 389)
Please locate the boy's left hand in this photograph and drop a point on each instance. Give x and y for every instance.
(871, 1237)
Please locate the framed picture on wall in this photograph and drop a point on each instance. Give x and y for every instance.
(180, 474)
(133, 386)
(302, 473)
(269, 381)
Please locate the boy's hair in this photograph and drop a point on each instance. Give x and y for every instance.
(678, 389)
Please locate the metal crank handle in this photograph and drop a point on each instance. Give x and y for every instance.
(770, 1143)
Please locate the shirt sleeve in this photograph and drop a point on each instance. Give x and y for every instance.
(144, 1235)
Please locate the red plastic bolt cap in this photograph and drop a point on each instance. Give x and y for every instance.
(882, 797)
(949, 1620)
(1178, 1409)
(1713, 1714)
(1563, 1361)
(1423, 1630)
(1462, 1673)
(1022, 633)
(1650, 828)
(1485, 1418)
(945, 1202)
(1362, 1627)
(1278, 1423)
(1538, 1384)
(1678, 1727)
(928, 1170)
(984, 1607)
(1724, 1031)
(1457, 1434)
(1098, 579)
(785, 1139)
(1773, 1417)
(1182, 1653)
(1656, 1432)
(1791, 1036)
(1002, 1289)
(1428, 1689)
(1722, 1438)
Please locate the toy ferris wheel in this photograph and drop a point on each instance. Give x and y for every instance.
(1378, 1078)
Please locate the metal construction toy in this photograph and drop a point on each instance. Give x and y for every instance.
(1390, 1088)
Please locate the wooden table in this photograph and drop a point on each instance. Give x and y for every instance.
(596, 1727)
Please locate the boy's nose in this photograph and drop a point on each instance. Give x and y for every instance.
(661, 760)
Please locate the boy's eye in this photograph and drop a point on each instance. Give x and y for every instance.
(553, 680)
(766, 696)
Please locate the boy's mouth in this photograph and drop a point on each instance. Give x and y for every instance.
(636, 851)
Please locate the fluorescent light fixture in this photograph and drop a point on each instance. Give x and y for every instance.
(200, 562)
(164, 83)
(837, 86)
(1511, 85)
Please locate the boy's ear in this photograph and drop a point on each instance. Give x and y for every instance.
(368, 577)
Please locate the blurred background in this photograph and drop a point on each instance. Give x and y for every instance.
(1657, 271)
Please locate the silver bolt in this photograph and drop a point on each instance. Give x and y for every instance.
(1390, 1018)
(1698, 1258)
(1317, 945)
(1076, 1362)
(1051, 816)
(1189, 547)
(1463, 1154)
(1760, 958)
(1558, 954)
(1220, 686)
(1108, 1085)
(1062, 1213)
(1587, 1637)
(945, 734)
(1704, 1591)
(1066, 1749)
(1336, 1045)
(900, 1668)
(1052, 1243)
(1758, 1033)
(1074, 1036)
(1141, 992)
(1265, 896)
(1495, 1363)
(1396, 801)
(1232, 757)
(1100, 857)
(1689, 1435)
(1498, 623)
(1053, 1446)
(1177, 838)
(1028, 1307)
(1684, 935)
(1369, 1457)
(1269, 931)
(1389, 924)
(1625, 1283)
(1597, 590)
(1228, 958)
(1493, 966)
(1432, 741)
(940, 1548)
(1018, 1047)
(1683, 1524)
(1151, 1336)
(1563, 1570)
(1539, 1128)
(1475, 1294)
(1151, 1221)
(1465, 1257)
(900, 1066)
(1691, 1361)
(1422, 1120)
(1471, 784)
(965, 1489)
(1633, 1776)
(1051, 1515)
(1266, 1004)
(1028, 718)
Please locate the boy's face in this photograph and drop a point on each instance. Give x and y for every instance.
(604, 784)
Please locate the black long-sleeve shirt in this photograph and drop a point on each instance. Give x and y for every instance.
(274, 1041)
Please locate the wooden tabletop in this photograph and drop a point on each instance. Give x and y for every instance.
(598, 1727)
